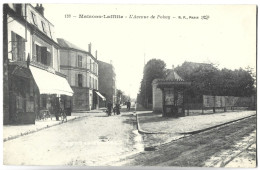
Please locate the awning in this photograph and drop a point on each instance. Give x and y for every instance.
(100, 95)
(49, 83)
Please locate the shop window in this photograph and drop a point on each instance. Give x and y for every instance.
(80, 80)
(79, 61)
(18, 47)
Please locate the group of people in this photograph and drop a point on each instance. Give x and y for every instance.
(116, 109)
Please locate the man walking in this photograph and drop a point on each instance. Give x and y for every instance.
(109, 108)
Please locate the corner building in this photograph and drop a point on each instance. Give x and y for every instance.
(81, 68)
(32, 77)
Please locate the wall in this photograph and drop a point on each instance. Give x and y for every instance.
(80, 99)
(157, 98)
(105, 79)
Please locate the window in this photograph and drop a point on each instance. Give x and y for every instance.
(90, 64)
(90, 82)
(80, 80)
(79, 61)
(42, 55)
(18, 47)
(43, 27)
(34, 19)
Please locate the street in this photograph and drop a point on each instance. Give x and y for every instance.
(91, 141)
(232, 145)
(99, 140)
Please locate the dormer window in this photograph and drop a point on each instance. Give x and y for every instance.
(43, 27)
(34, 19)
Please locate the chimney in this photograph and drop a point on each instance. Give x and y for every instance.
(89, 48)
(40, 9)
(96, 54)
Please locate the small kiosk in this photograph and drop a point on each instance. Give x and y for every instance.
(169, 95)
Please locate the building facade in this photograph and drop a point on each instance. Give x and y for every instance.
(31, 61)
(81, 68)
(107, 82)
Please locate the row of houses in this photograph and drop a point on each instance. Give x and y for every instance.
(41, 71)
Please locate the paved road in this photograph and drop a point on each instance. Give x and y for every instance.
(93, 141)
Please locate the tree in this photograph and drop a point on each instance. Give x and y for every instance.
(207, 79)
(154, 68)
(121, 97)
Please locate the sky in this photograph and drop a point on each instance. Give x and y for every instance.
(226, 38)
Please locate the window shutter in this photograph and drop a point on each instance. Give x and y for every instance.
(14, 47)
(76, 80)
(23, 50)
(38, 53)
(48, 58)
(44, 55)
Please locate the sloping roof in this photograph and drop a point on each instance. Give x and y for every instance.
(66, 44)
(173, 76)
(172, 79)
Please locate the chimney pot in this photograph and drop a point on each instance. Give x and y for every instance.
(40, 9)
(89, 48)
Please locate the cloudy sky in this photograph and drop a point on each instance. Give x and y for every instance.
(226, 38)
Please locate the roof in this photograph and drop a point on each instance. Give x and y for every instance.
(173, 76)
(66, 44)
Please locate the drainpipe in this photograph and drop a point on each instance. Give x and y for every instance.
(25, 16)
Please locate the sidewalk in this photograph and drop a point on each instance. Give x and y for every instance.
(152, 123)
(15, 131)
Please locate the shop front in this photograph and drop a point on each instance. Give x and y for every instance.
(22, 92)
(54, 92)
(32, 90)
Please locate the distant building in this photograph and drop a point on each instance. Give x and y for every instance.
(81, 67)
(32, 77)
(107, 82)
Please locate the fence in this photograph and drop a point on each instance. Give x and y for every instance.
(212, 104)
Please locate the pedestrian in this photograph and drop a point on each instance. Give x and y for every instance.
(109, 108)
(57, 108)
(117, 109)
(128, 105)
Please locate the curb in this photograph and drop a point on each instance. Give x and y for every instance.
(39, 129)
(145, 132)
(209, 128)
(191, 132)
